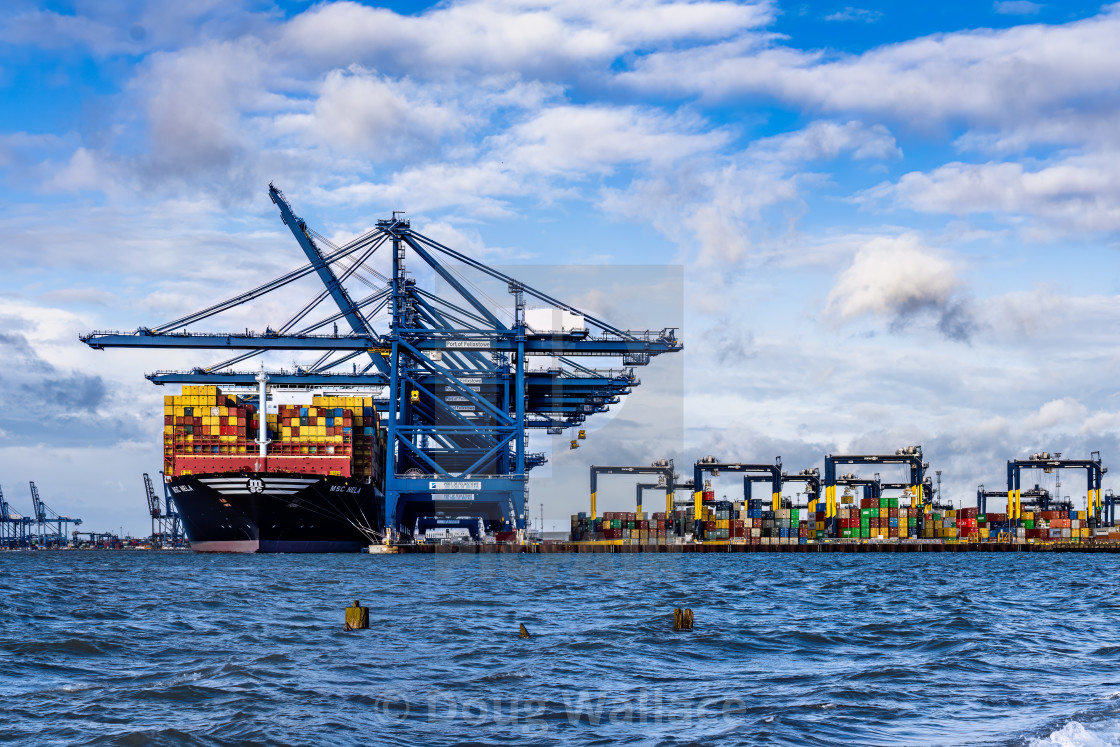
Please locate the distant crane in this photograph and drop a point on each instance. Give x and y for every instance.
(165, 520)
(45, 517)
(14, 528)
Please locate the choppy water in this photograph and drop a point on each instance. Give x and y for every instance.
(171, 648)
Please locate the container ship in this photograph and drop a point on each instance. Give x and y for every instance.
(315, 486)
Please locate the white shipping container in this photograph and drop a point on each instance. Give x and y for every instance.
(553, 320)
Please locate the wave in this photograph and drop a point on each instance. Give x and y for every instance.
(1077, 734)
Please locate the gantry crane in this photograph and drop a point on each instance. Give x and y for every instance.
(45, 517)
(165, 520)
(910, 456)
(641, 487)
(1049, 463)
(711, 465)
(454, 364)
(663, 468)
(15, 529)
(1036, 498)
(872, 487)
(811, 477)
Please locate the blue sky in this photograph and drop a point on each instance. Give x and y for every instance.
(894, 224)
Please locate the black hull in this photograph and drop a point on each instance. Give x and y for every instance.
(237, 512)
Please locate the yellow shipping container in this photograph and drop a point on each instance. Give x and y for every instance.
(1081, 516)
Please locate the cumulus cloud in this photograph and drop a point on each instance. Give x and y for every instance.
(978, 77)
(896, 278)
(358, 111)
(525, 37)
(1078, 193)
(583, 139)
(823, 140)
(1065, 413)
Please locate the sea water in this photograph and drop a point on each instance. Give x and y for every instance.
(135, 647)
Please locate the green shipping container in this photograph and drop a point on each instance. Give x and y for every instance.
(892, 503)
(1028, 523)
(865, 533)
(884, 503)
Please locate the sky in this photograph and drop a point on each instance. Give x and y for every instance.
(886, 224)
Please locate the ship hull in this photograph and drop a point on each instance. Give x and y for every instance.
(273, 513)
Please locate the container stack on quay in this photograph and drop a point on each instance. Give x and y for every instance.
(875, 520)
(733, 521)
(209, 431)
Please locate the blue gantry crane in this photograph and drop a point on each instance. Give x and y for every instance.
(15, 528)
(1050, 463)
(45, 517)
(713, 466)
(870, 487)
(662, 468)
(1034, 499)
(454, 364)
(910, 457)
(166, 529)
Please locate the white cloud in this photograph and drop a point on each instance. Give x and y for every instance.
(525, 37)
(1064, 413)
(482, 189)
(1077, 193)
(823, 140)
(593, 139)
(893, 277)
(358, 111)
(981, 78)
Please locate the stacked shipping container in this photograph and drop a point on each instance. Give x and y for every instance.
(875, 519)
(208, 431)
